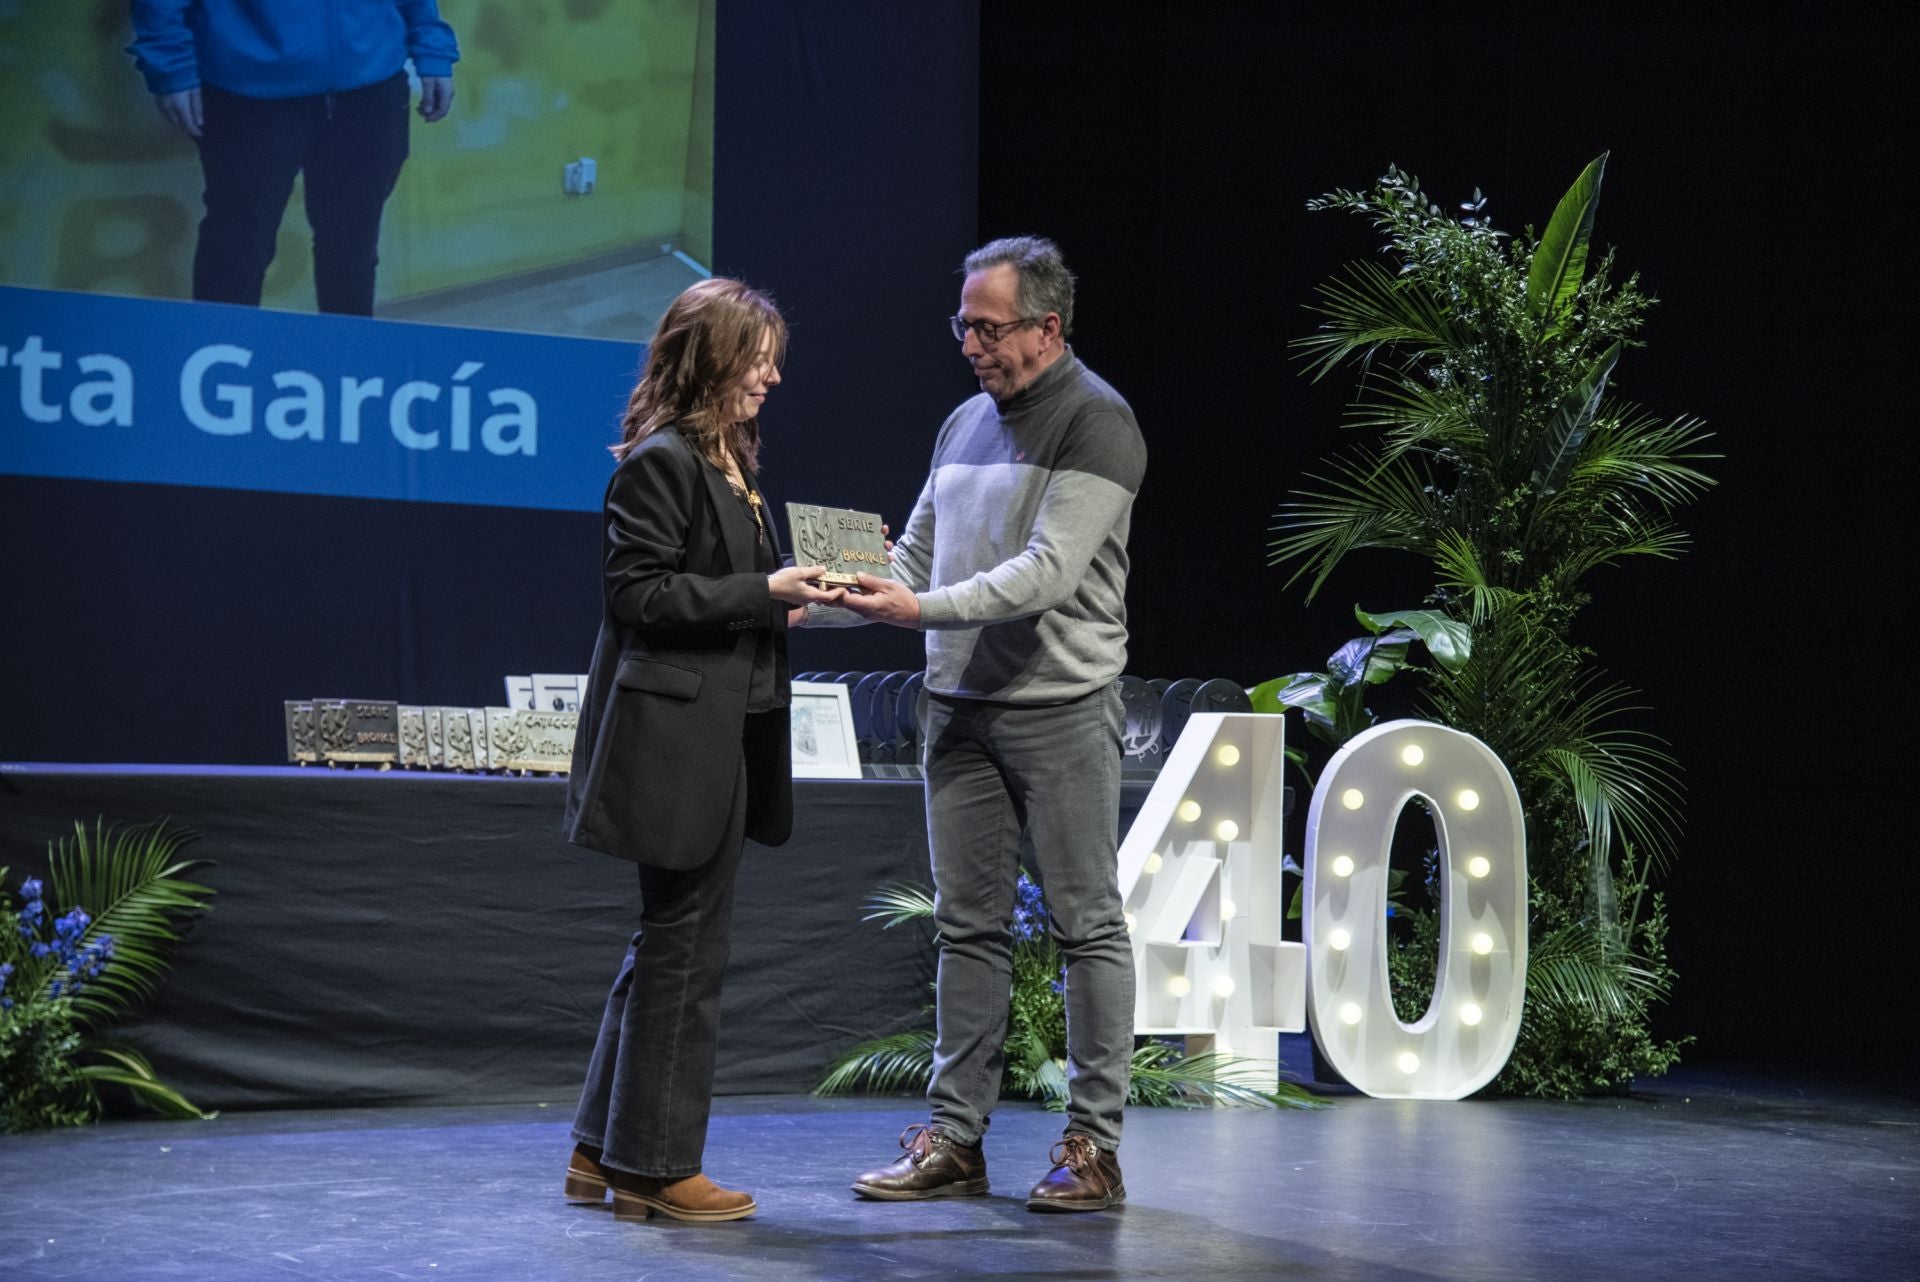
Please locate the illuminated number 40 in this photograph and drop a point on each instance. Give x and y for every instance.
(1200, 876)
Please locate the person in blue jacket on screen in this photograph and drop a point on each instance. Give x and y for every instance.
(273, 88)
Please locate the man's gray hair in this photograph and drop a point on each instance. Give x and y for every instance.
(1045, 283)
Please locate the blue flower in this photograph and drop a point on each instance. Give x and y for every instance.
(40, 949)
(1029, 909)
(30, 888)
(74, 923)
(55, 988)
(6, 1003)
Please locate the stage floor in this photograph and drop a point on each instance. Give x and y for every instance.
(1698, 1177)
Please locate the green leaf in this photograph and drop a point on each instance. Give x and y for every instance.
(1370, 660)
(130, 1069)
(1635, 451)
(1162, 1076)
(1264, 697)
(1311, 692)
(131, 883)
(1372, 308)
(1560, 260)
(1387, 504)
(902, 1061)
(900, 901)
(1448, 640)
(1576, 968)
(1567, 430)
(1460, 568)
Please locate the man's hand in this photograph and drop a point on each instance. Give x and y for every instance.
(885, 601)
(436, 97)
(181, 110)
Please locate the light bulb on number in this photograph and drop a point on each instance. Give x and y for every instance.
(1132, 921)
(1353, 799)
(1228, 755)
(1481, 943)
(1343, 865)
(1223, 985)
(1154, 863)
(1413, 754)
(1339, 940)
(1468, 799)
(1469, 1014)
(1349, 1012)
(1226, 830)
(1227, 910)
(1179, 985)
(1189, 810)
(1408, 1062)
(1478, 866)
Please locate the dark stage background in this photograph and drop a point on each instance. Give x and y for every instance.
(1758, 182)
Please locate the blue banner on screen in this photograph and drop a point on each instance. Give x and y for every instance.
(128, 389)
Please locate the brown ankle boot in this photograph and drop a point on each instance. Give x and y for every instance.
(586, 1178)
(1085, 1177)
(934, 1165)
(695, 1198)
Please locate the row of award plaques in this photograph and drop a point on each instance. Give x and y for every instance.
(889, 722)
(376, 732)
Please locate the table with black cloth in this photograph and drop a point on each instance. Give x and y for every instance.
(390, 937)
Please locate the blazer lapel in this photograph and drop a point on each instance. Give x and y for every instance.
(726, 513)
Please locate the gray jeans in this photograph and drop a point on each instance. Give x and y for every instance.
(993, 769)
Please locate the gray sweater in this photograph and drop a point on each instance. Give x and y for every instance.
(1023, 591)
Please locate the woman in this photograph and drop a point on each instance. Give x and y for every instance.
(683, 747)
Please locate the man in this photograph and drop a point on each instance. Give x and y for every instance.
(273, 88)
(1014, 563)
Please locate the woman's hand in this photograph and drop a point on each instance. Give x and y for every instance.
(791, 585)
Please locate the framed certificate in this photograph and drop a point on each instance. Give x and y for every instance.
(824, 746)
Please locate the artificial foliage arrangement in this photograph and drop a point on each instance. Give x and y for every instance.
(1036, 1047)
(1491, 447)
(80, 948)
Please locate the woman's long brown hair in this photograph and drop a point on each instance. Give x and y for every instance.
(706, 344)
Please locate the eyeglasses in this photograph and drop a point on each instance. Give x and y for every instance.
(989, 332)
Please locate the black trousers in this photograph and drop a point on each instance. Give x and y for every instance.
(649, 1086)
(349, 145)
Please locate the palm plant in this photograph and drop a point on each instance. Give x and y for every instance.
(1036, 1047)
(1493, 448)
(120, 895)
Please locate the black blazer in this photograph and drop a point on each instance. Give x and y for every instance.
(664, 718)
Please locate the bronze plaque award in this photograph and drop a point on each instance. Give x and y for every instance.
(848, 543)
(358, 731)
(302, 735)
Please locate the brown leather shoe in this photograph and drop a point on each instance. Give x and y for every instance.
(695, 1198)
(934, 1165)
(586, 1178)
(1085, 1177)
